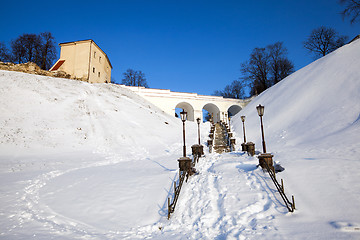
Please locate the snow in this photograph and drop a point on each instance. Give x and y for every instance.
(96, 161)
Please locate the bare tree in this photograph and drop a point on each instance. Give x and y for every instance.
(324, 40)
(39, 49)
(257, 70)
(18, 50)
(352, 10)
(280, 66)
(27, 48)
(233, 90)
(129, 78)
(134, 78)
(217, 93)
(237, 89)
(4, 53)
(48, 50)
(266, 67)
(286, 67)
(140, 79)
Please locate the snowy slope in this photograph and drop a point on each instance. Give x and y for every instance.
(40, 112)
(78, 156)
(312, 126)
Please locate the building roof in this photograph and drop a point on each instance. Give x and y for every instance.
(88, 40)
(57, 65)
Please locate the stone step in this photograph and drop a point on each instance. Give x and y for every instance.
(220, 142)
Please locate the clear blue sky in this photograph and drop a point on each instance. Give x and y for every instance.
(187, 46)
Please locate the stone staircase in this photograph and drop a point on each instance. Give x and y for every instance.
(220, 139)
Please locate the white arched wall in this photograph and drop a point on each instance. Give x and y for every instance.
(187, 107)
(192, 103)
(213, 110)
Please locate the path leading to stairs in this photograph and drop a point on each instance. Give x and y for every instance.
(230, 198)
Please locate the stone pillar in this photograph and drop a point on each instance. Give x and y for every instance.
(184, 164)
(244, 147)
(266, 158)
(232, 144)
(250, 147)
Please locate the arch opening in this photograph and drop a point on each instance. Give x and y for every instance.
(187, 108)
(233, 110)
(211, 110)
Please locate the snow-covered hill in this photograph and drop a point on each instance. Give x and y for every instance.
(96, 161)
(86, 154)
(312, 125)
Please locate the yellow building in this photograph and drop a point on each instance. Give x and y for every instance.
(84, 60)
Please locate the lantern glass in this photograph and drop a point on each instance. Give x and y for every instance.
(198, 120)
(260, 110)
(183, 116)
(243, 118)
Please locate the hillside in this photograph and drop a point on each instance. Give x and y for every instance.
(80, 151)
(96, 161)
(312, 126)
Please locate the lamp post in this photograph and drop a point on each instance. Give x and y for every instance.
(229, 118)
(198, 122)
(184, 162)
(243, 121)
(265, 159)
(198, 149)
(183, 116)
(260, 110)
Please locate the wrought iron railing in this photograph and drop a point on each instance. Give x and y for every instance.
(289, 205)
(177, 189)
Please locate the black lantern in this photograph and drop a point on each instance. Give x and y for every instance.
(260, 110)
(183, 116)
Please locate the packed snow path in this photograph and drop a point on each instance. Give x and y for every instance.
(230, 198)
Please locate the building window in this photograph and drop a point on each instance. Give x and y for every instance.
(94, 54)
(98, 74)
(93, 70)
(99, 59)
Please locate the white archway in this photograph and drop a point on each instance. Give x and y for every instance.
(213, 110)
(234, 109)
(187, 107)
